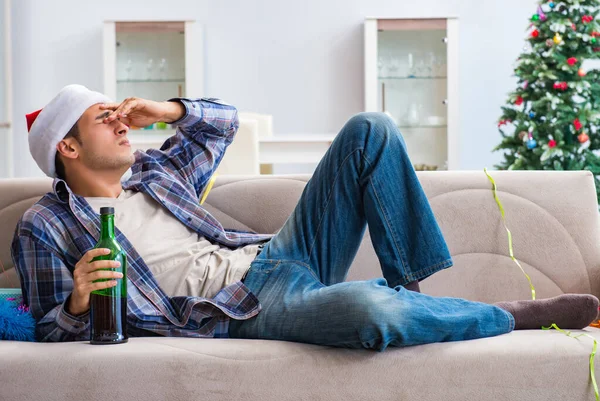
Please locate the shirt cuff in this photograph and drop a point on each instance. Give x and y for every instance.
(193, 112)
(70, 323)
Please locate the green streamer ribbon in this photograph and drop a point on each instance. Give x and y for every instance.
(592, 355)
(553, 326)
(510, 246)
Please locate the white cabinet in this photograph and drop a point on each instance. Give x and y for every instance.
(411, 74)
(154, 60)
(6, 140)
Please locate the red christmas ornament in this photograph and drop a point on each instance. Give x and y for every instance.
(572, 61)
(577, 124)
(586, 19)
(561, 85)
(595, 34)
(535, 33)
(552, 143)
(583, 138)
(519, 101)
(574, 27)
(597, 49)
(501, 123)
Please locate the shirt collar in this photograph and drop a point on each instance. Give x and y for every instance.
(61, 190)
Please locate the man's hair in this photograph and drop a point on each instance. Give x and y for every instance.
(58, 164)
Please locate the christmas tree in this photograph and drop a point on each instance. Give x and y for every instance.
(551, 120)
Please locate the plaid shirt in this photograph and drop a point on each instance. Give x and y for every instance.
(53, 235)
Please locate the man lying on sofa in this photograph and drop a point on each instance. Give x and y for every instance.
(188, 276)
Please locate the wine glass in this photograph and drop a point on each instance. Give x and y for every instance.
(149, 69)
(411, 66)
(393, 66)
(431, 64)
(380, 66)
(128, 67)
(162, 67)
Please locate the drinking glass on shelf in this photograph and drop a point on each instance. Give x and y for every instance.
(128, 67)
(430, 66)
(162, 68)
(380, 66)
(149, 69)
(421, 67)
(393, 66)
(411, 73)
(412, 117)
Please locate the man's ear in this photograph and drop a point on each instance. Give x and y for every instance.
(68, 148)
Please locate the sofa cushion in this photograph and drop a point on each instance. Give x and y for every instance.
(522, 365)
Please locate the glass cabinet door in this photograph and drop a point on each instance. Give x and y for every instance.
(412, 83)
(150, 61)
(156, 60)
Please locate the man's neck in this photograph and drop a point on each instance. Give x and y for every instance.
(100, 185)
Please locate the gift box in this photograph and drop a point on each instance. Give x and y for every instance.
(11, 294)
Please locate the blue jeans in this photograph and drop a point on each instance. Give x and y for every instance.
(365, 178)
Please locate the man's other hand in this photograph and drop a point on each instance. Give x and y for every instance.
(85, 273)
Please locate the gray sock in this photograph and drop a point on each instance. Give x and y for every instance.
(569, 311)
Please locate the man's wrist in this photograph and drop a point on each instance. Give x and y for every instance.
(72, 309)
(175, 110)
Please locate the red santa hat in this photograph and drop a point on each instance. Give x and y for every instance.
(48, 126)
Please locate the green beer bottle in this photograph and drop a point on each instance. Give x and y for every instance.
(108, 307)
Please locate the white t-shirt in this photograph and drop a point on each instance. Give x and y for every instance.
(183, 262)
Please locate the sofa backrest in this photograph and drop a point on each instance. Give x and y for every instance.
(553, 217)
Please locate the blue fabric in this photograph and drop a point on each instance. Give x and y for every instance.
(15, 324)
(365, 177)
(53, 235)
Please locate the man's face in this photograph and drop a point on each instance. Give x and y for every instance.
(103, 146)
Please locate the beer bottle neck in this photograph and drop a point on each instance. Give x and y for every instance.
(108, 226)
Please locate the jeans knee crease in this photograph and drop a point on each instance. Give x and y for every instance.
(393, 233)
(329, 197)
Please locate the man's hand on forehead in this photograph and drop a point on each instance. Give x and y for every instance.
(121, 110)
(142, 112)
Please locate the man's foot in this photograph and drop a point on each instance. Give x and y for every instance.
(569, 311)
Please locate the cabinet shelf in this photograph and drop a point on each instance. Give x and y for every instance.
(134, 81)
(420, 126)
(412, 78)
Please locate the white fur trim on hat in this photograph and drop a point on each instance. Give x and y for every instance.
(56, 119)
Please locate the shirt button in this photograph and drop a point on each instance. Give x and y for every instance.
(217, 235)
(189, 219)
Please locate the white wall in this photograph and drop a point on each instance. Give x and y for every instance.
(301, 61)
(3, 114)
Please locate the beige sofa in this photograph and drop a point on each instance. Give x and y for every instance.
(554, 220)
